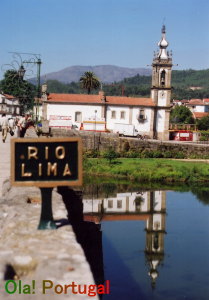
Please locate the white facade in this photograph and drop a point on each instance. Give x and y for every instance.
(129, 113)
(125, 203)
(200, 108)
(86, 112)
(9, 105)
(161, 120)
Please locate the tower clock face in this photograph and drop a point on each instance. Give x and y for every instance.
(162, 98)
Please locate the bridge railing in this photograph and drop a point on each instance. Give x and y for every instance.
(192, 127)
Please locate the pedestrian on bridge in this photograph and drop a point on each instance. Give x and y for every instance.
(4, 127)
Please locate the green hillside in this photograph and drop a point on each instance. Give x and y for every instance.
(139, 86)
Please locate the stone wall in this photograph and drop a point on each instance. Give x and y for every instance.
(102, 141)
(28, 254)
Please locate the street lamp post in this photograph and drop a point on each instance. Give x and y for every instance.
(35, 59)
(95, 124)
(22, 67)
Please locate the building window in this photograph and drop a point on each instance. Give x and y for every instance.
(141, 114)
(119, 204)
(78, 116)
(122, 114)
(113, 114)
(110, 203)
(162, 78)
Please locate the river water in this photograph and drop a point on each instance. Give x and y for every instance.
(155, 243)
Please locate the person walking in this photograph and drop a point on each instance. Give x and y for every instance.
(30, 130)
(11, 122)
(4, 127)
(22, 124)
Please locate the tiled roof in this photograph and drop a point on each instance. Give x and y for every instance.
(116, 217)
(199, 115)
(184, 101)
(195, 102)
(96, 99)
(8, 96)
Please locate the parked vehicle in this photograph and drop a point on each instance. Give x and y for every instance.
(182, 135)
(126, 130)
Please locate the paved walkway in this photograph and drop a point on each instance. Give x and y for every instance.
(4, 160)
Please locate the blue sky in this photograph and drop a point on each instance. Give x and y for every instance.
(100, 32)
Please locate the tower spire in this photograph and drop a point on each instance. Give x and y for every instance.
(163, 44)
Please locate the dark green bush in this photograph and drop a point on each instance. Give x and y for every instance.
(110, 155)
(93, 153)
(168, 154)
(157, 154)
(147, 154)
(180, 155)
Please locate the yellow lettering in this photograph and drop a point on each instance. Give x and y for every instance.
(32, 152)
(39, 169)
(66, 171)
(46, 152)
(51, 168)
(60, 155)
(23, 173)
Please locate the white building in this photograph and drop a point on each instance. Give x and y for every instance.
(150, 116)
(199, 108)
(9, 105)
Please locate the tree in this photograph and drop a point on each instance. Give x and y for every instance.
(110, 155)
(181, 114)
(16, 86)
(203, 123)
(89, 81)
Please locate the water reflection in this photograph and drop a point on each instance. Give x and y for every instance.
(88, 234)
(148, 206)
(123, 234)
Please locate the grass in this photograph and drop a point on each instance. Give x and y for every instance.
(148, 170)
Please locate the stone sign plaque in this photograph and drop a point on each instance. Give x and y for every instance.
(46, 162)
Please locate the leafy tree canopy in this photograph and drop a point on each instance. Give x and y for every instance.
(181, 114)
(14, 85)
(203, 123)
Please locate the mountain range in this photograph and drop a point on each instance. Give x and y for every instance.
(105, 73)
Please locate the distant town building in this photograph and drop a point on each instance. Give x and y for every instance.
(195, 88)
(199, 108)
(9, 105)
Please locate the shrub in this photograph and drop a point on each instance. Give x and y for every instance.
(179, 155)
(147, 154)
(204, 138)
(157, 154)
(93, 153)
(110, 155)
(131, 154)
(168, 154)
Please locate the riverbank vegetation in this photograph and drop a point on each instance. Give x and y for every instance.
(148, 170)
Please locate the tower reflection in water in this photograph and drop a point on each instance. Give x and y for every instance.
(148, 206)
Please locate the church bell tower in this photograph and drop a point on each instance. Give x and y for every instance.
(161, 88)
